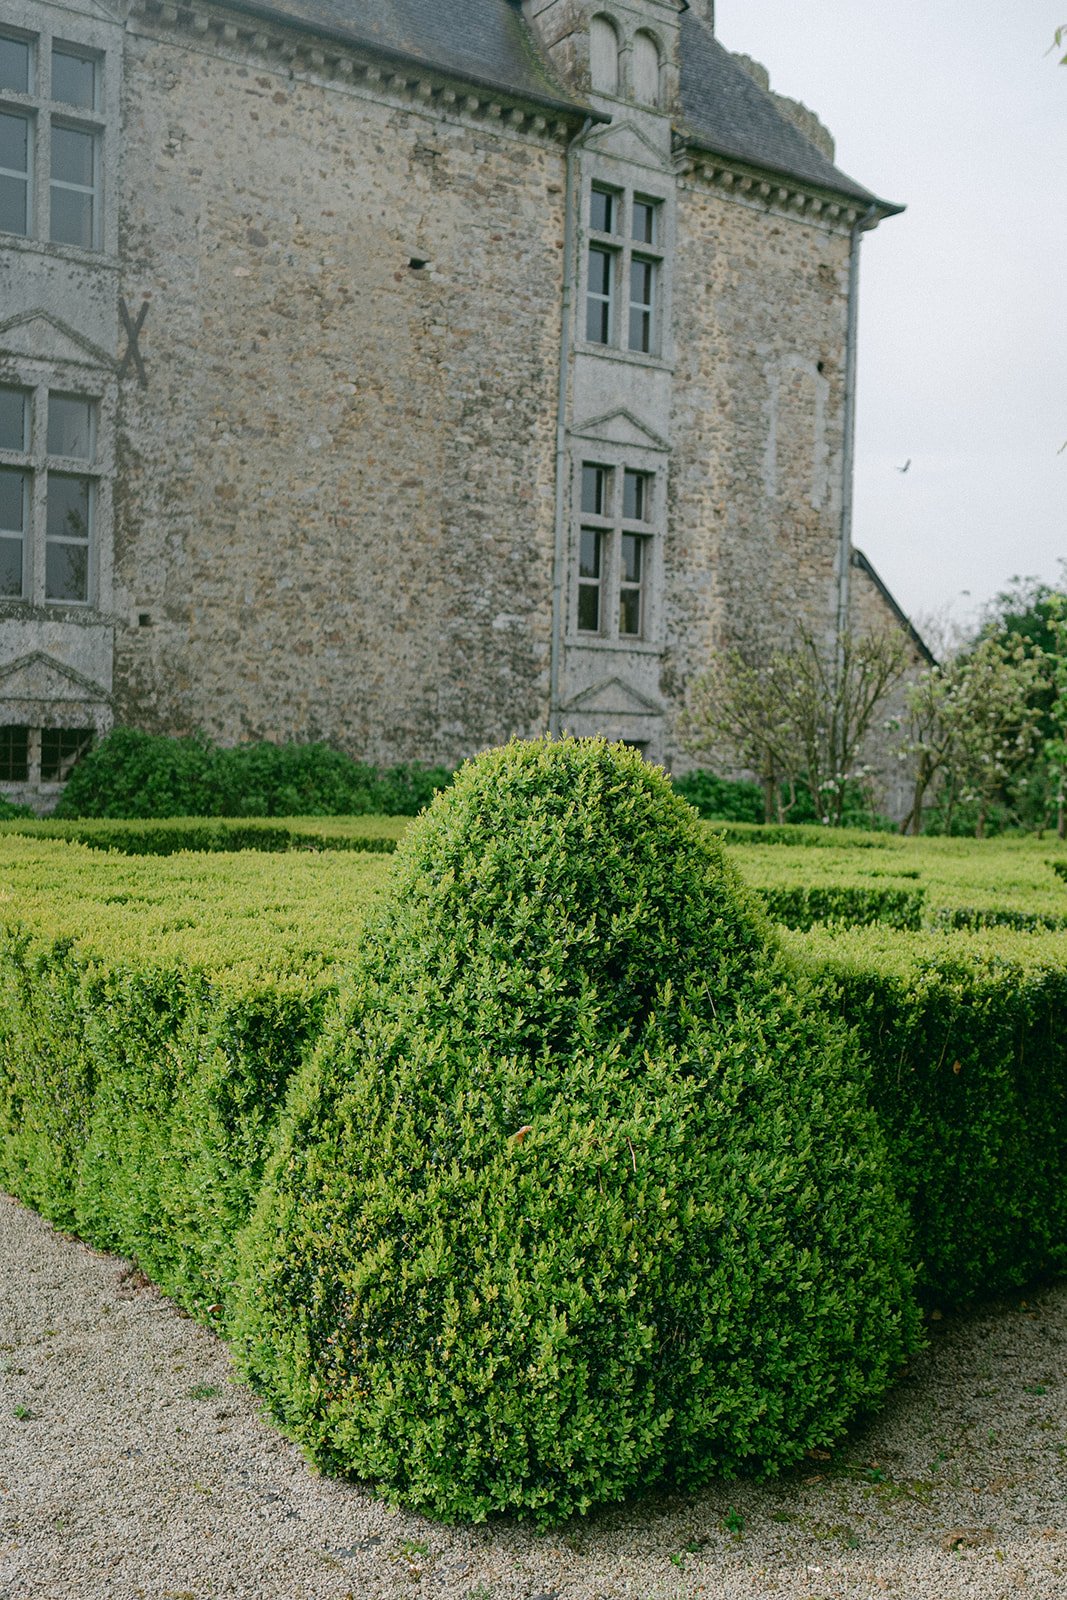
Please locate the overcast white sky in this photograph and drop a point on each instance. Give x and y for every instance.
(957, 112)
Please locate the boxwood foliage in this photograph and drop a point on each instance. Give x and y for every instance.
(579, 1191)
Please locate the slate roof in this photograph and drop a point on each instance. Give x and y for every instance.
(487, 42)
(726, 112)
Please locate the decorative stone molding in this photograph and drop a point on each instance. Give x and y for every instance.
(776, 194)
(352, 65)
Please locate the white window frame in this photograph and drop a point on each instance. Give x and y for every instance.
(87, 40)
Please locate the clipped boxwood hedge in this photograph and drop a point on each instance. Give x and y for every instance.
(965, 1059)
(166, 837)
(801, 907)
(579, 1190)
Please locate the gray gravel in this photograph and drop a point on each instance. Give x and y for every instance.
(131, 1464)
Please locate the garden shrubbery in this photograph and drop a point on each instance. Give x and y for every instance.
(579, 1189)
(133, 774)
(583, 1180)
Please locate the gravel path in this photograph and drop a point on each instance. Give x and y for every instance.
(131, 1465)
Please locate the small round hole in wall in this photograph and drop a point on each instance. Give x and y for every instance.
(417, 263)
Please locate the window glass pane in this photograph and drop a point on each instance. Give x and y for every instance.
(14, 755)
(61, 750)
(598, 302)
(66, 571)
(10, 568)
(588, 608)
(70, 426)
(14, 207)
(13, 416)
(73, 79)
(600, 271)
(14, 142)
(594, 489)
(72, 155)
(68, 507)
(589, 555)
(632, 547)
(72, 217)
(630, 611)
(644, 221)
(642, 281)
(635, 496)
(602, 211)
(15, 65)
(13, 494)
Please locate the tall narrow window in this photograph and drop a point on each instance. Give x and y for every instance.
(14, 492)
(596, 503)
(642, 303)
(599, 312)
(16, 155)
(73, 186)
(603, 56)
(602, 264)
(70, 497)
(646, 69)
(614, 545)
(624, 263)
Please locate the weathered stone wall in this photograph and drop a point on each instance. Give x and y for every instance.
(334, 498)
(760, 315)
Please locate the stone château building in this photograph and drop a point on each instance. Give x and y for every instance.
(407, 373)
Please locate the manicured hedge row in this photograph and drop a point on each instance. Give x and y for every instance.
(137, 837)
(802, 907)
(965, 1053)
(134, 774)
(996, 917)
(137, 1105)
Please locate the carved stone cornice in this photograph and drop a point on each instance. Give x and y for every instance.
(380, 73)
(769, 191)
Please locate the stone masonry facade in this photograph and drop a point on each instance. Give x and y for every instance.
(406, 389)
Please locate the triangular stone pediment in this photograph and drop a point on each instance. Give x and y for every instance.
(620, 427)
(41, 677)
(39, 336)
(626, 142)
(614, 697)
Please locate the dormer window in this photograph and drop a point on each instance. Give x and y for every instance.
(646, 69)
(603, 56)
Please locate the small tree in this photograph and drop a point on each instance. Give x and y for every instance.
(797, 714)
(970, 726)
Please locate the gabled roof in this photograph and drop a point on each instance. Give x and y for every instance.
(488, 43)
(725, 111)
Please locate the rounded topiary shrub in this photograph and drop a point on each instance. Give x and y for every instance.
(579, 1191)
